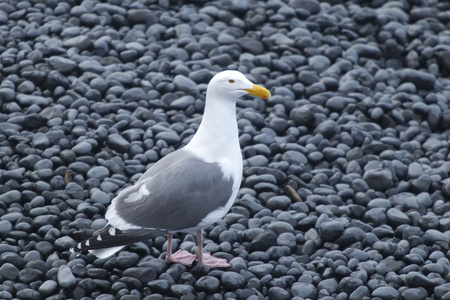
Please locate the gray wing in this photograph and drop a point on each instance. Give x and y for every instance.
(174, 194)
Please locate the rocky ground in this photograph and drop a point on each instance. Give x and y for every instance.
(346, 180)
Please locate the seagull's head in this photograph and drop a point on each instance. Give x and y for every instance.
(235, 84)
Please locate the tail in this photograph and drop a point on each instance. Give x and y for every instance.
(110, 240)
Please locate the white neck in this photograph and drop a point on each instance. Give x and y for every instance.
(219, 125)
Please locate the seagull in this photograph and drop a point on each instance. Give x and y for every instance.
(188, 189)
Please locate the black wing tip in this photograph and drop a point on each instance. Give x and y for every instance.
(110, 237)
(78, 248)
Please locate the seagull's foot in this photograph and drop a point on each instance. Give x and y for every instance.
(182, 257)
(213, 262)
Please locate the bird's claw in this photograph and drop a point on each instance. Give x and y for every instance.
(182, 257)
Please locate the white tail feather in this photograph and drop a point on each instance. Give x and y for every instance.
(107, 252)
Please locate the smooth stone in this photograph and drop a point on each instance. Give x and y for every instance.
(263, 241)
(415, 279)
(208, 284)
(327, 129)
(99, 172)
(330, 231)
(378, 179)
(294, 157)
(386, 292)
(118, 143)
(28, 293)
(261, 270)
(232, 280)
(65, 277)
(421, 79)
(48, 287)
(304, 290)
(397, 217)
(184, 84)
(250, 45)
(9, 271)
(278, 202)
(62, 65)
(81, 42)
(143, 274)
(180, 290)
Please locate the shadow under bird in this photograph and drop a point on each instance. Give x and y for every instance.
(188, 189)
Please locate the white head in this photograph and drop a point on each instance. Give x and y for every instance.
(217, 135)
(235, 84)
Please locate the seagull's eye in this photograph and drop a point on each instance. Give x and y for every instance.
(231, 80)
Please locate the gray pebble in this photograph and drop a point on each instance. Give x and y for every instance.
(9, 271)
(81, 42)
(183, 83)
(82, 148)
(385, 292)
(180, 290)
(47, 288)
(144, 16)
(62, 65)
(99, 173)
(143, 274)
(415, 279)
(349, 284)
(303, 290)
(118, 143)
(441, 290)
(327, 129)
(279, 227)
(250, 45)
(319, 63)
(5, 226)
(330, 285)
(261, 269)
(329, 231)
(64, 243)
(11, 196)
(169, 137)
(420, 79)
(294, 157)
(433, 235)
(27, 293)
(378, 179)
(40, 141)
(208, 284)
(396, 217)
(278, 202)
(414, 293)
(65, 277)
(279, 293)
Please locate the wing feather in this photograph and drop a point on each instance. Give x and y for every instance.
(110, 237)
(174, 194)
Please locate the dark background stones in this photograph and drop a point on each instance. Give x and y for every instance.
(92, 93)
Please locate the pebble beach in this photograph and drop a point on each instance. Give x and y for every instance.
(346, 186)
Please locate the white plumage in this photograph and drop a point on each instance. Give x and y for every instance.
(188, 189)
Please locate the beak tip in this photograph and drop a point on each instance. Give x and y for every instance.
(259, 91)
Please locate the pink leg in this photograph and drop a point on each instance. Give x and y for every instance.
(207, 259)
(181, 256)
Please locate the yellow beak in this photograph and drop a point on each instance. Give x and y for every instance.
(259, 91)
